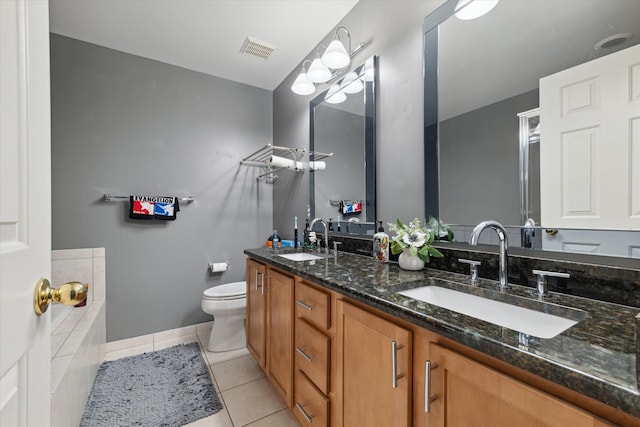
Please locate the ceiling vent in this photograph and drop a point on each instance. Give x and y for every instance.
(257, 48)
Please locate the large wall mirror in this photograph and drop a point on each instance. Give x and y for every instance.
(342, 142)
(500, 91)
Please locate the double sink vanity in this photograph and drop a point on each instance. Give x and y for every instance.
(349, 341)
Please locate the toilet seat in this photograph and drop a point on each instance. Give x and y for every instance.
(228, 291)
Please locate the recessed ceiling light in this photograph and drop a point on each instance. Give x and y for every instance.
(472, 9)
(613, 40)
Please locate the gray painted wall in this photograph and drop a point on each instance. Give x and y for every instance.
(393, 31)
(122, 124)
(479, 163)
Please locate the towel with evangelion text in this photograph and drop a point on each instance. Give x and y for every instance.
(153, 207)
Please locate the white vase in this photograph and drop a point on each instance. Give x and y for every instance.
(410, 262)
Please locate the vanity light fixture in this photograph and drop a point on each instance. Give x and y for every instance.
(335, 95)
(318, 72)
(472, 9)
(302, 85)
(327, 67)
(351, 83)
(336, 56)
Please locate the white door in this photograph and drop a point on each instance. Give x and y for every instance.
(25, 211)
(590, 144)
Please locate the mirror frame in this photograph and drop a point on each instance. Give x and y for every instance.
(431, 35)
(369, 139)
(430, 87)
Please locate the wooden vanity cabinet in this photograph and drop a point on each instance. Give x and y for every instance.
(279, 291)
(314, 333)
(270, 324)
(256, 311)
(374, 369)
(341, 363)
(464, 392)
(469, 393)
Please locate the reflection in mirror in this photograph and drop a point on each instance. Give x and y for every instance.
(568, 186)
(342, 141)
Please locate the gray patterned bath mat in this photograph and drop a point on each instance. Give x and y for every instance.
(169, 387)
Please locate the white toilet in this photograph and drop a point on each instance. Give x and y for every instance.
(228, 305)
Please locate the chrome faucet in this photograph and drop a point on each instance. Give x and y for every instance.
(326, 232)
(502, 235)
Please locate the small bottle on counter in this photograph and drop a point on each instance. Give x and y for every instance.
(381, 245)
(275, 240)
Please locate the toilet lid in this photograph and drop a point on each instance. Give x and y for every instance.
(228, 290)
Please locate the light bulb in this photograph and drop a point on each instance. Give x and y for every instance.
(335, 95)
(352, 83)
(302, 85)
(336, 56)
(317, 72)
(472, 9)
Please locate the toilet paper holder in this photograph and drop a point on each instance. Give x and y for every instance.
(218, 267)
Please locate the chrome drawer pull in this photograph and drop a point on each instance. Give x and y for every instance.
(304, 305)
(428, 366)
(305, 355)
(306, 416)
(394, 364)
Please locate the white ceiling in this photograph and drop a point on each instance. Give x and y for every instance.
(204, 35)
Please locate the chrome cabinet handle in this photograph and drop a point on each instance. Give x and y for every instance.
(394, 364)
(257, 273)
(304, 305)
(262, 283)
(428, 366)
(305, 355)
(306, 416)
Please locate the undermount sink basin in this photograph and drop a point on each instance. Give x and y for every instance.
(521, 319)
(301, 256)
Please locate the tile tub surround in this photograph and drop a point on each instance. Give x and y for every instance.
(597, 357)
(78, 339)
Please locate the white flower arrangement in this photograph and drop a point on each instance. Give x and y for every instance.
(414, 237)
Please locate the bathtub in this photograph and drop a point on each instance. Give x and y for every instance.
(78, 338)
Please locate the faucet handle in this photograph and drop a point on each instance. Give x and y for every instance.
(335, 247)
(542, 280)
(473, 269)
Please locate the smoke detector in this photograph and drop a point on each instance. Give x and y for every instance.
(257, 48)
(614, 40)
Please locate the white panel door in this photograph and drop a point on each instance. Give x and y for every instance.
(25, 211)
(590, 144)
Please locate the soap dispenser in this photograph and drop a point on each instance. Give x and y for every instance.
(381, 245)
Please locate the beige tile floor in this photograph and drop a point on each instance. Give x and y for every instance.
(248, 398)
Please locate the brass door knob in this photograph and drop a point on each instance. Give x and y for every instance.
(71, 293)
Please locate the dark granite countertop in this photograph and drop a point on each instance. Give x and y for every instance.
(596, 357)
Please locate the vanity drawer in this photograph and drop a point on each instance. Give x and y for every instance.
(313, 305)
(312, 354)
(309, 405)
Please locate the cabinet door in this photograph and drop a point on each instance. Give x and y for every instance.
(280, 333)
(256, 311)
(374, 370)
(468, 393)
